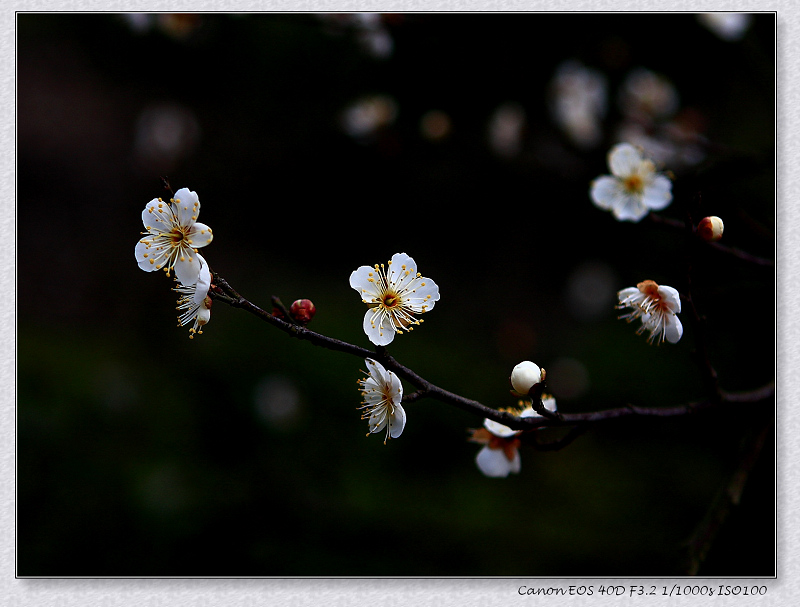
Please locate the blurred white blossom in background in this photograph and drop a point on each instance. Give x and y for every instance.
(367, 115)
(634, 188)
(579, 101)
(164, 134)
(506, 129)
(727, 26)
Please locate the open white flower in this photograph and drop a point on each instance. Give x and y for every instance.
(646, 96)
(499, 456)
(173, 236)
(657, 307)
(578, 102)
(382, 392)
(501, 460)
(195, 302)
(634, 188)
(728, 26)
(394, 294)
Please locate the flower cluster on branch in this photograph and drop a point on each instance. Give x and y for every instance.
(397, 294)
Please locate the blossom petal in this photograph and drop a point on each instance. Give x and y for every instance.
(402, 269)
(203, 282)
(187, 267)
(674, 330)
(628, 293)
(146, 257)
(495, 464)
(671, 296)
(157, 216)
(658, 193)
(630, 208)
(376, 370)
(378, 420)
(378, 328)
(498, 429)
(423, 295)
(624, 160)
(363, 281)
(200, 235)
(187, 206)
(397, 422)
(605, 191)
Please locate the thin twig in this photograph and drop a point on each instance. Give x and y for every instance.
(728, 250)
(708, 373)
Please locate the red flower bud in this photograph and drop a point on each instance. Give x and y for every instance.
(710, 228)
(302, 311)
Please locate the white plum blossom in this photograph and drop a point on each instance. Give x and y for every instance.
(647, 95)
(394, 294)
(195, 302)
(728, 26)
(173, 236)
(382, 392)
(499, 456)
(578, 102)
(506, 129)
(366, 116)
(499, 461)
(634, 188)
(657, 307)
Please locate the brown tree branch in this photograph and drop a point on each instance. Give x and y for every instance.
(222, 291)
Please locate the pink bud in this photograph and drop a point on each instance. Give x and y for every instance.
(302, 311)
(710, 228)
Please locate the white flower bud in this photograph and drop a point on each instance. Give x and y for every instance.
(710, 228)
(524, 376)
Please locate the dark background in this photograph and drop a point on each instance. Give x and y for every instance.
(143, 453)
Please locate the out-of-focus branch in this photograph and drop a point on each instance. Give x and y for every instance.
(727, 499)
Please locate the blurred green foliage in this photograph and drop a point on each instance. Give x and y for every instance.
(142, 453)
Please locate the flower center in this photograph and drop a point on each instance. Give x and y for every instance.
(390, 300)
(649, 288)
(633, 184)
(178, 236)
